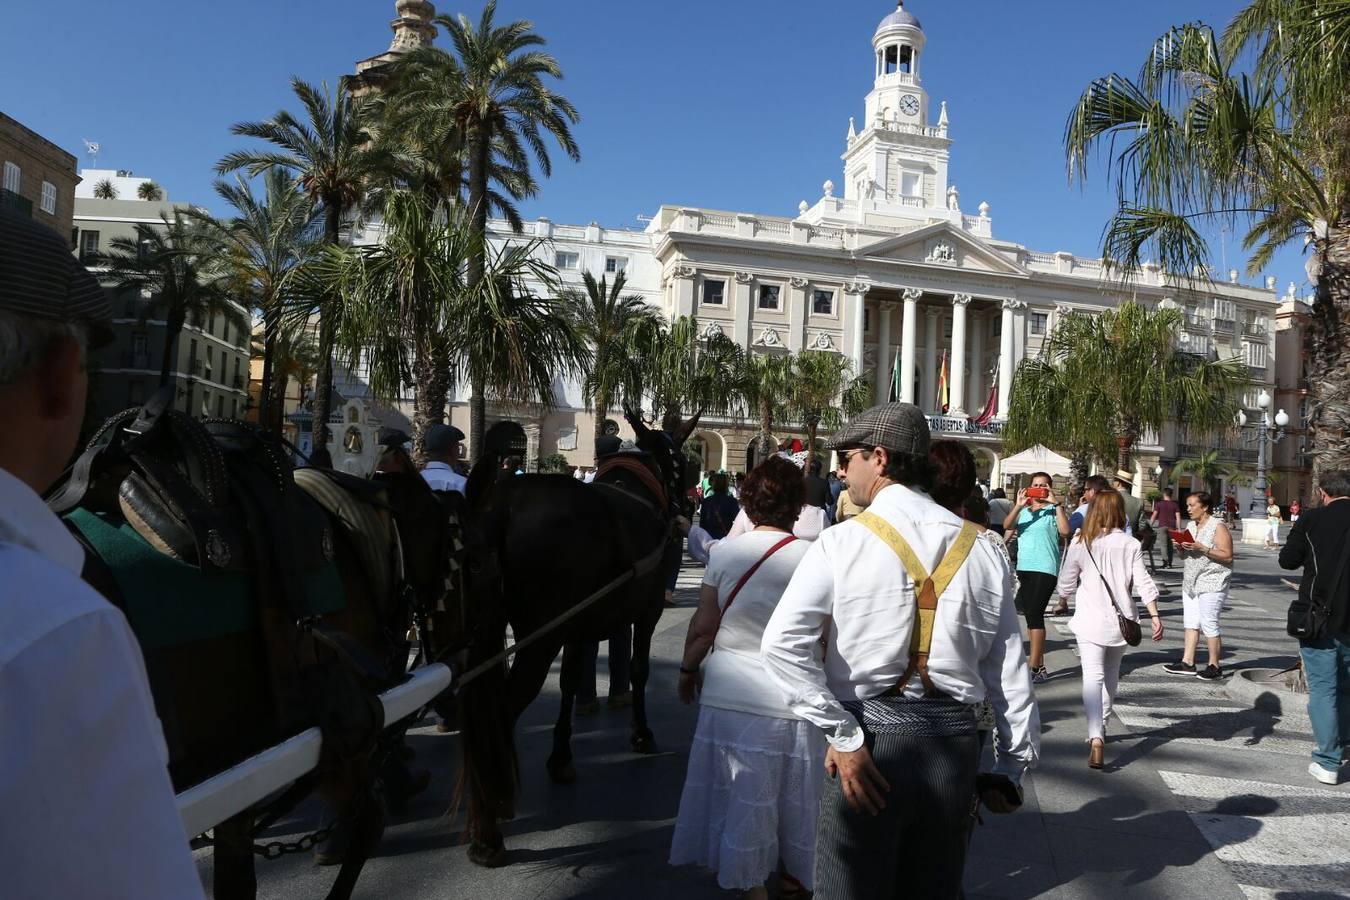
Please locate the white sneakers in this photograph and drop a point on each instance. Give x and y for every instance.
(1322, 774)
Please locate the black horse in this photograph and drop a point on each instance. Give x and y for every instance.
(540, 545)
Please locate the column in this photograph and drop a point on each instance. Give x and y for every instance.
(1005, 358)
(796, 306)
(975, 391)
(927, 378)
(958, 383)
(909, 325)
(684, 290)
(744, 302)
(884, 362)
(858, 289)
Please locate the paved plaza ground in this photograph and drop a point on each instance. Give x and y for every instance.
(1203, 795)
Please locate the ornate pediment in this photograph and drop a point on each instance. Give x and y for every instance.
(941, 245)
(769, 337)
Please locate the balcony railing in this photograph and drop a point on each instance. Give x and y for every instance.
(17, 202)
(1251, 330)
(1224, 325)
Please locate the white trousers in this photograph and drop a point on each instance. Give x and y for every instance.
(1101, 672)
(1273, 532)
(1201, 612)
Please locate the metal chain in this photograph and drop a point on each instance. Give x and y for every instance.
(278, 849)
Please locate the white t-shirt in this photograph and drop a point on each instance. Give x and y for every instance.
(733, 676)
(86, 807)
(443, 478)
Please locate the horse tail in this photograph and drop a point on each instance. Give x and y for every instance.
(489, 772)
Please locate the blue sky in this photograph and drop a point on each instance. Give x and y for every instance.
(738, 104)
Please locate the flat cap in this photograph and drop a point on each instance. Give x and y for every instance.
(41, 279)
(393, 437)
(440, 438)
(899, 427)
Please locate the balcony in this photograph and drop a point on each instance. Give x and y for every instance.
(238, 382)
(133, 360)
(1254, 331)
(16, 202)
(1224, 326)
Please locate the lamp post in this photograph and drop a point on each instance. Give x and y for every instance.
(1264, 439)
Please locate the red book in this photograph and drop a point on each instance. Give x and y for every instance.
(1181, 537)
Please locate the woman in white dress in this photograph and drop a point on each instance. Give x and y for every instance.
(752, 791)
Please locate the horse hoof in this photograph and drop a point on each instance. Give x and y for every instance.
(561, 773)
(644, 744)
(487, 855)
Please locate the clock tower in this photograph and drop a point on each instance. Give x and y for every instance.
(896, 164)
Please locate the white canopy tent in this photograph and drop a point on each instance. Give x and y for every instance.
(1036, 459)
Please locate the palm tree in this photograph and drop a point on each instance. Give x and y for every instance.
(105, 190)
(1120, 374)
(1045, 408)
(174, 263)
(502, 106)
(678, 371)
(607, 319)
(297, 357)
(766, 386)
(825, 392)
(149, 191)
(1207, 467)
(1198, 139)
(332, 155)
(262, 247)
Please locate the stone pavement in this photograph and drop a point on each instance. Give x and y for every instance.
(1203, 795)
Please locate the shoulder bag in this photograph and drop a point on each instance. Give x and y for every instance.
(1129, 628)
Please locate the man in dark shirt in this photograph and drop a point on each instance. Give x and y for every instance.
(817, 488)
(719, 508)
(1167, 516)
(1318, 542)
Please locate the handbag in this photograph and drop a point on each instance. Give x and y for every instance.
(1129, 628)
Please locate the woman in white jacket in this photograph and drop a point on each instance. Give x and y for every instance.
(1104, 568)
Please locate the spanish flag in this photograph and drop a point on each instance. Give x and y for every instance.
(944, 386)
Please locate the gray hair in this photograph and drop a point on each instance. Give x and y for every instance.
(24, 338)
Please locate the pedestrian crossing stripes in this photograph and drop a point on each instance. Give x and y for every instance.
(1280, 841)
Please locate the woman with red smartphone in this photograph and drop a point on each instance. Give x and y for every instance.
(1040, 522)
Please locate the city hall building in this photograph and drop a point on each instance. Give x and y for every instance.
(889, 267)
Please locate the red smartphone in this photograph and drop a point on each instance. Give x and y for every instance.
(1037, 493)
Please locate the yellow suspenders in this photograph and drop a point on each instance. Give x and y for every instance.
(927, 589)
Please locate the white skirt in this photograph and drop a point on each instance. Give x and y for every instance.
(751, 797)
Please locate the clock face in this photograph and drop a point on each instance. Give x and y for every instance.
(910, 105)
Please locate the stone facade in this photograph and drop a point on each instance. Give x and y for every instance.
(37, 178)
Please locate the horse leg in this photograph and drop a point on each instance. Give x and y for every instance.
(559, 765)
(642, 740)
(234, 877)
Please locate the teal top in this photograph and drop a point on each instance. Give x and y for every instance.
(1037, 541)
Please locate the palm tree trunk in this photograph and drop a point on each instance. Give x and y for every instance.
(280, 381)
(765, 431)
(172, 329)
(479, 149)
(1123, 444)
(323, 389)
(1327, 346)
(1079, 464)
(433, 385)
(601, 405)
(266, 402)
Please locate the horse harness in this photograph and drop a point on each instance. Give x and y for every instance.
(928, 590)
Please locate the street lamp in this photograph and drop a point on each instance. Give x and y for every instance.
(1263, 440)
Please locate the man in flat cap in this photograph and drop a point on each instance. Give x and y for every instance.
(919, 626)
(86, 807)
(442, 451)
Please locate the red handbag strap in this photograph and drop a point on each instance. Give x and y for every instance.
(751, 571)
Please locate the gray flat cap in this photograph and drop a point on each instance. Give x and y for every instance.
(40, 278)
(440, 438)
(899, 427)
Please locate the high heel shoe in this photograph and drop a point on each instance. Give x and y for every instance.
(1097, 754)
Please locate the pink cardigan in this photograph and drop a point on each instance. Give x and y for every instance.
(1122, 565)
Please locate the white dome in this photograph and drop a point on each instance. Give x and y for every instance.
(899, 17)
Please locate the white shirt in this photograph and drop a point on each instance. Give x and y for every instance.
(1120, 562)
(86, 807)
(852, 587)
(443, 478)
(733, 677)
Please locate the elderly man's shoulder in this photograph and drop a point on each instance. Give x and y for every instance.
(38, 597)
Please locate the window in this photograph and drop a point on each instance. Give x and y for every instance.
(210, 359)
(1256, 355)
(822, 303)
(998, 326)
(714, 293)
(13, 177)
(1039, 322)
(1225, 310)
(225, 331)
(563, 260)
(88, 244)
(140, 351)
(768, 296)
(220, 406)
(48, 204)
(192, 357)
(237, 383)
(616, 263)
(911, 184)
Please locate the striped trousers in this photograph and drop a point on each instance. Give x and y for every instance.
(927, 750)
